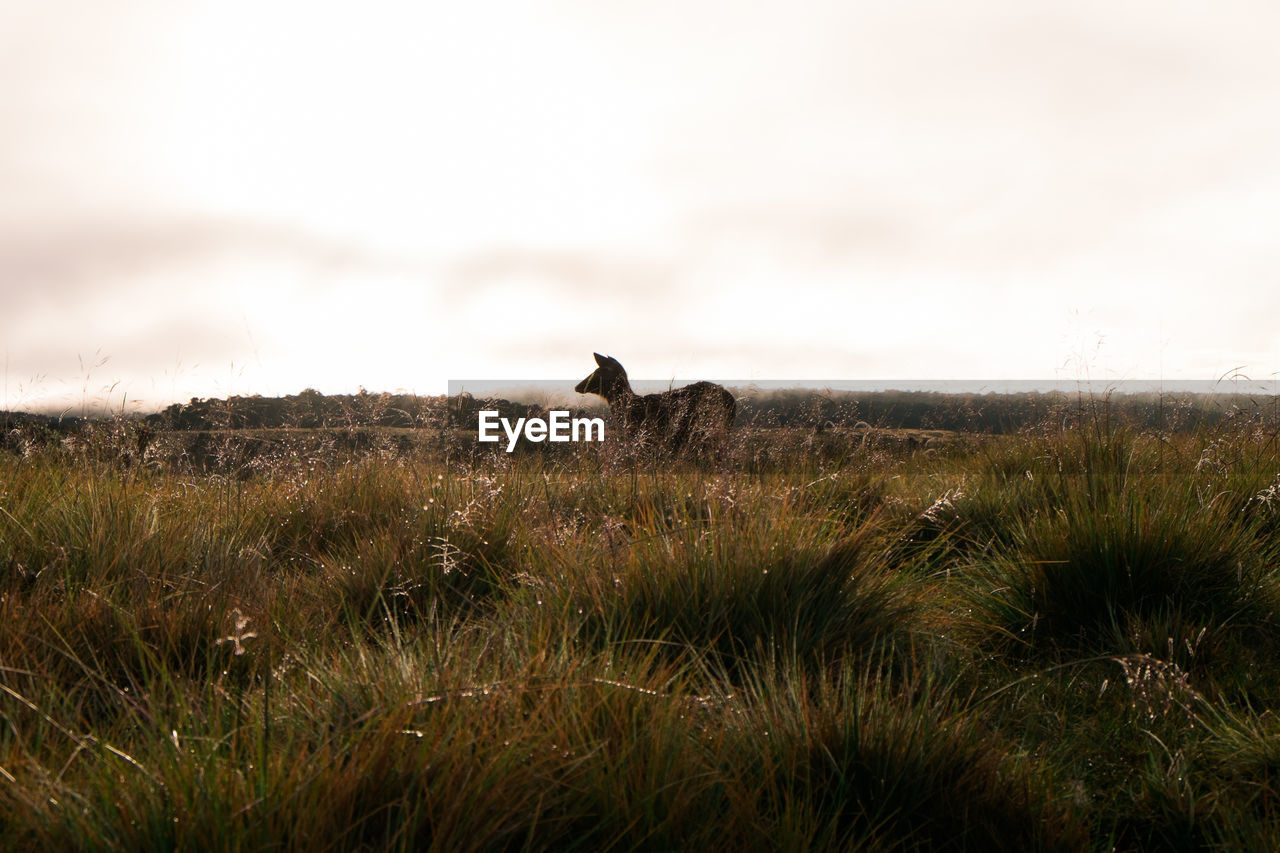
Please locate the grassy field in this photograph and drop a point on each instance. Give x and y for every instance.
(1064, 639)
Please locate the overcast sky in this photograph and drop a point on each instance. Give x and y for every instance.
(232, 197)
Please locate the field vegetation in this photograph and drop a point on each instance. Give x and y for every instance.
(1065, 636)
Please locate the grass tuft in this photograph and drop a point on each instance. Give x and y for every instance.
(1063, 639)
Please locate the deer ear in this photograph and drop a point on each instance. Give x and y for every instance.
(601, 360)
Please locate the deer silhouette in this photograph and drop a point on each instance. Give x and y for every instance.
(697, 416)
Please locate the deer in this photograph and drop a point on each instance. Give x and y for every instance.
(697, 416)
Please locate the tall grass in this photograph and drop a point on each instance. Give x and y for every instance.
(1056, 640)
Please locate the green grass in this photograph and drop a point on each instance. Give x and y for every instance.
(1060, 640)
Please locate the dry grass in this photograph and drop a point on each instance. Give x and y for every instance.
(840, 640)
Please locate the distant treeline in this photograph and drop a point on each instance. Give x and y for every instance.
(313, 410)
(986, 413)
(997, 413)
(307, 410)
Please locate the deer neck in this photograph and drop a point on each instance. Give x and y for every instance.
(619, 391)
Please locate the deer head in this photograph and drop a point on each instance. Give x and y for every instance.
(608, 380)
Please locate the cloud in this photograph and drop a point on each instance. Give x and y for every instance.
(70, 253)
(566, 274)
(921, 186)
(176, 305)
